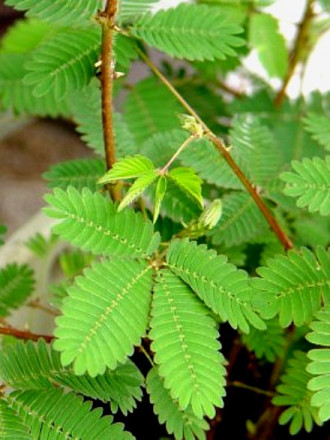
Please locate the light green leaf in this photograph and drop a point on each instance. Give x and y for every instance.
(186, 347)
(218, 283)
(183, 424)
(91, 221)
(310, 182)
(64, 13)
(52, 414)
(64, 62)
(16, 285)
(79, 173)
(264, 36)
(319, 126)
(100, 324)
(192, 32)
(188, 181)
(129, 10)
(138, 187)
(319, 366)
(128, 168)
(293, 392)
(159, 196)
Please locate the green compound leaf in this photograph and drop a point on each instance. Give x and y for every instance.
(137, 189)
(11, 426)
(53, 414)
(191, 32)
(241, 221)
(183, 424)
(310, 183)
(186, 347)
(293, 286)
(16, 285)
(29, 366)
(18, 97)
(131, 9)
(188, 181)
(219, 284)
(267, 344)
(319, 367)
(159, 196)
(86, 108)
(64, 62)
(64, 13)
(143, 113)
(104, 316)
(293, 392)
(128, 168)
(78, 173)
(319, 127)
(90, 221)
(264, 36)
(3, 231)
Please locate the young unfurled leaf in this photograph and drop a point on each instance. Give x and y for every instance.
(128, 168)
(269, 43)
(160, 193)
(189, 181)
(138, 188)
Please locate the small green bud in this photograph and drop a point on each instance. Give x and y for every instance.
(211, 215)
(190, 124)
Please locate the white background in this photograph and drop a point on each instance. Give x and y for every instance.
(317, 76)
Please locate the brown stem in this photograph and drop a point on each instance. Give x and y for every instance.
(36, 304)
(24, 334)
(218, 143)
(299, 45)
(107, 20)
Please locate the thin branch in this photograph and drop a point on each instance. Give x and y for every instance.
(36, 304)
(218, 143)
(107, 20)
(177, 154)
(300, 44)
(238, 384)
(24, 334)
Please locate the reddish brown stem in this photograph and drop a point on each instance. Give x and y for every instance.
(107, 20)
(218, 143)
(299, 45)
(25, 334)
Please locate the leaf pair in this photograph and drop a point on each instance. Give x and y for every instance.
(142, 169)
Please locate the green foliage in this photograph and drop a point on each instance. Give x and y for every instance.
(78, 173)
(86, 109)
(293, 286)
(38, 367)
(45, 415)
(219, 284)
(319, 366)
(310, 182)
(293, 392)
(143, 114)
(264, 36)
(183, 424)
(241, 221)
(267, 344)
(16, 285)
(39, 245)
(68, 13)
(130, 9)
(131, 283)
(318, 126)
(197, 32)
(3, 230)
(186, 347)
(100, 312)
(90, 220)
(64, 62)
